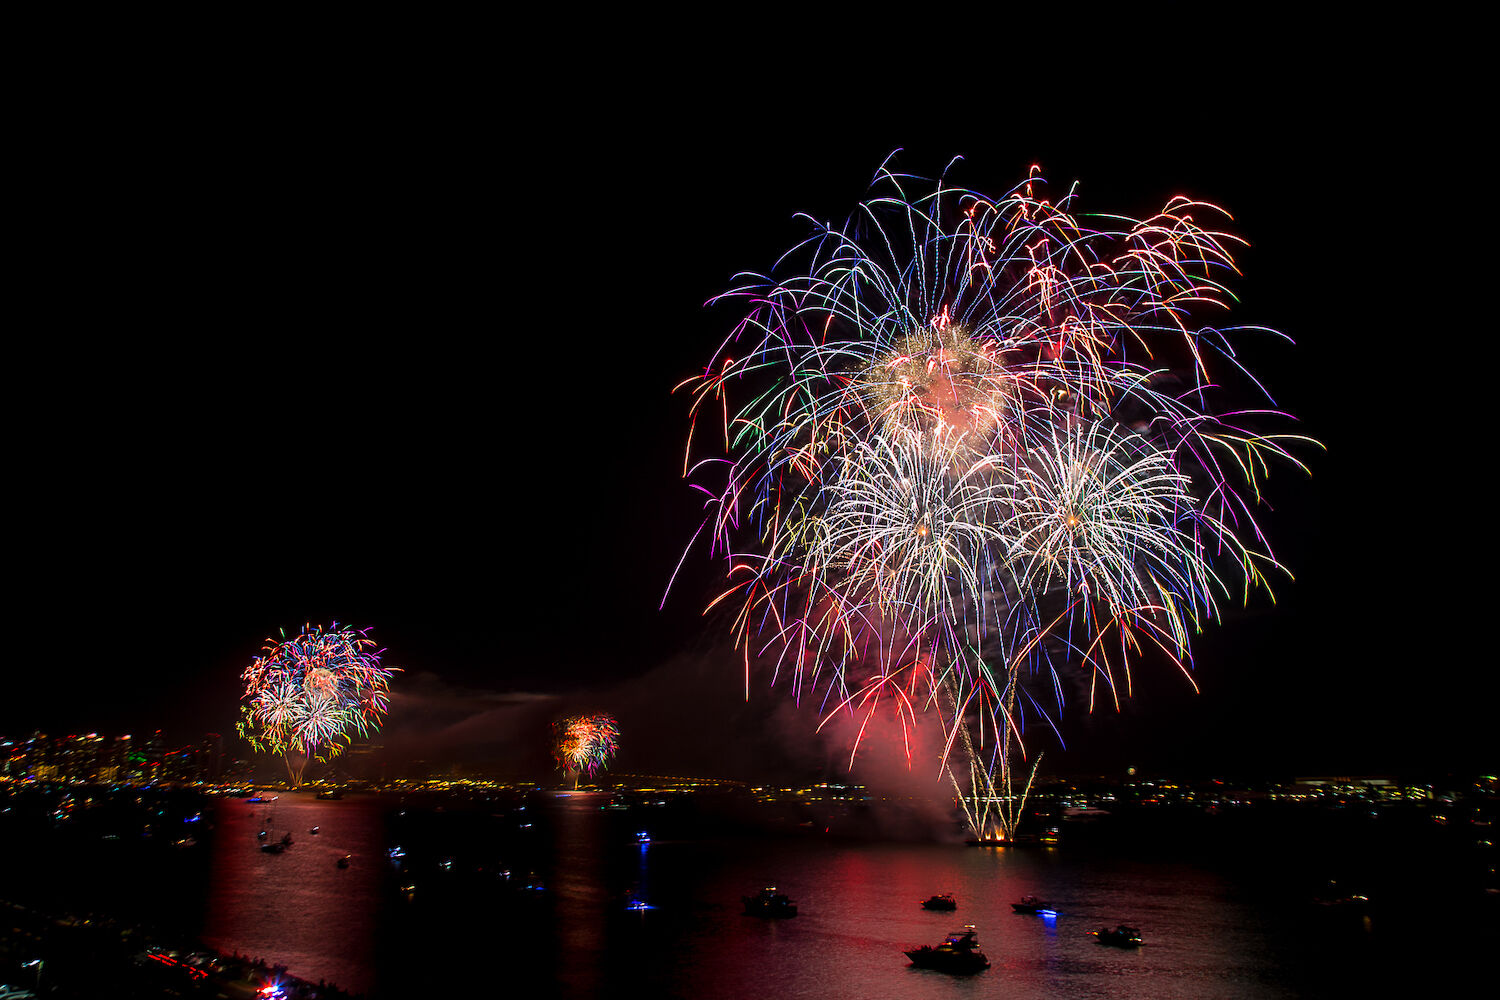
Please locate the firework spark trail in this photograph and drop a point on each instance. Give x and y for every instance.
(978, 435)
(308, 696)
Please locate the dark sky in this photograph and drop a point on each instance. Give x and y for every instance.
(397, 349)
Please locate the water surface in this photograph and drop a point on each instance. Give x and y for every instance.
(494, 897)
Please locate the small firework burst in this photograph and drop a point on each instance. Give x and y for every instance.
(586, 743)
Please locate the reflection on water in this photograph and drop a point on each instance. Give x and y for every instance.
(545, 903)
(581, 897)
(860, 909)
(298, 908)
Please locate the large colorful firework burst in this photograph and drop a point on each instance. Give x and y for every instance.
(586, 743)
(307, 697)
(970, 441)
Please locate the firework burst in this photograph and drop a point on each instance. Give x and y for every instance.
(586, 743)
(966, 440)
(308, 697)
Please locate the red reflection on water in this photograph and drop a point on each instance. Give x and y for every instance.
(580, 894)
(298, 908)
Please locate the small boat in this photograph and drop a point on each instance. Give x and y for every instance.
(344, 861)
(769, 903)
(643, 838)
(331, 795)
(958, 953)
(943, 902)
(1334, 896)
(261, 835)
(313, 831)
(1030, 904)
(1353, 901)
(1120, 937)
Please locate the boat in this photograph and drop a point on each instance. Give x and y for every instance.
(943, 902)
(958, 953)
(1334, 896)
(313, 831)
(769, 903)
(1120, 937)
(261, 835)
(1030, 904)
(643, 838)
(331, 795)
(1353, 901)
(344, 861)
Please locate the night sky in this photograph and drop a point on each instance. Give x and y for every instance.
(401, 355)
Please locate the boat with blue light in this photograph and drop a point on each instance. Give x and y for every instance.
(1030, 904)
